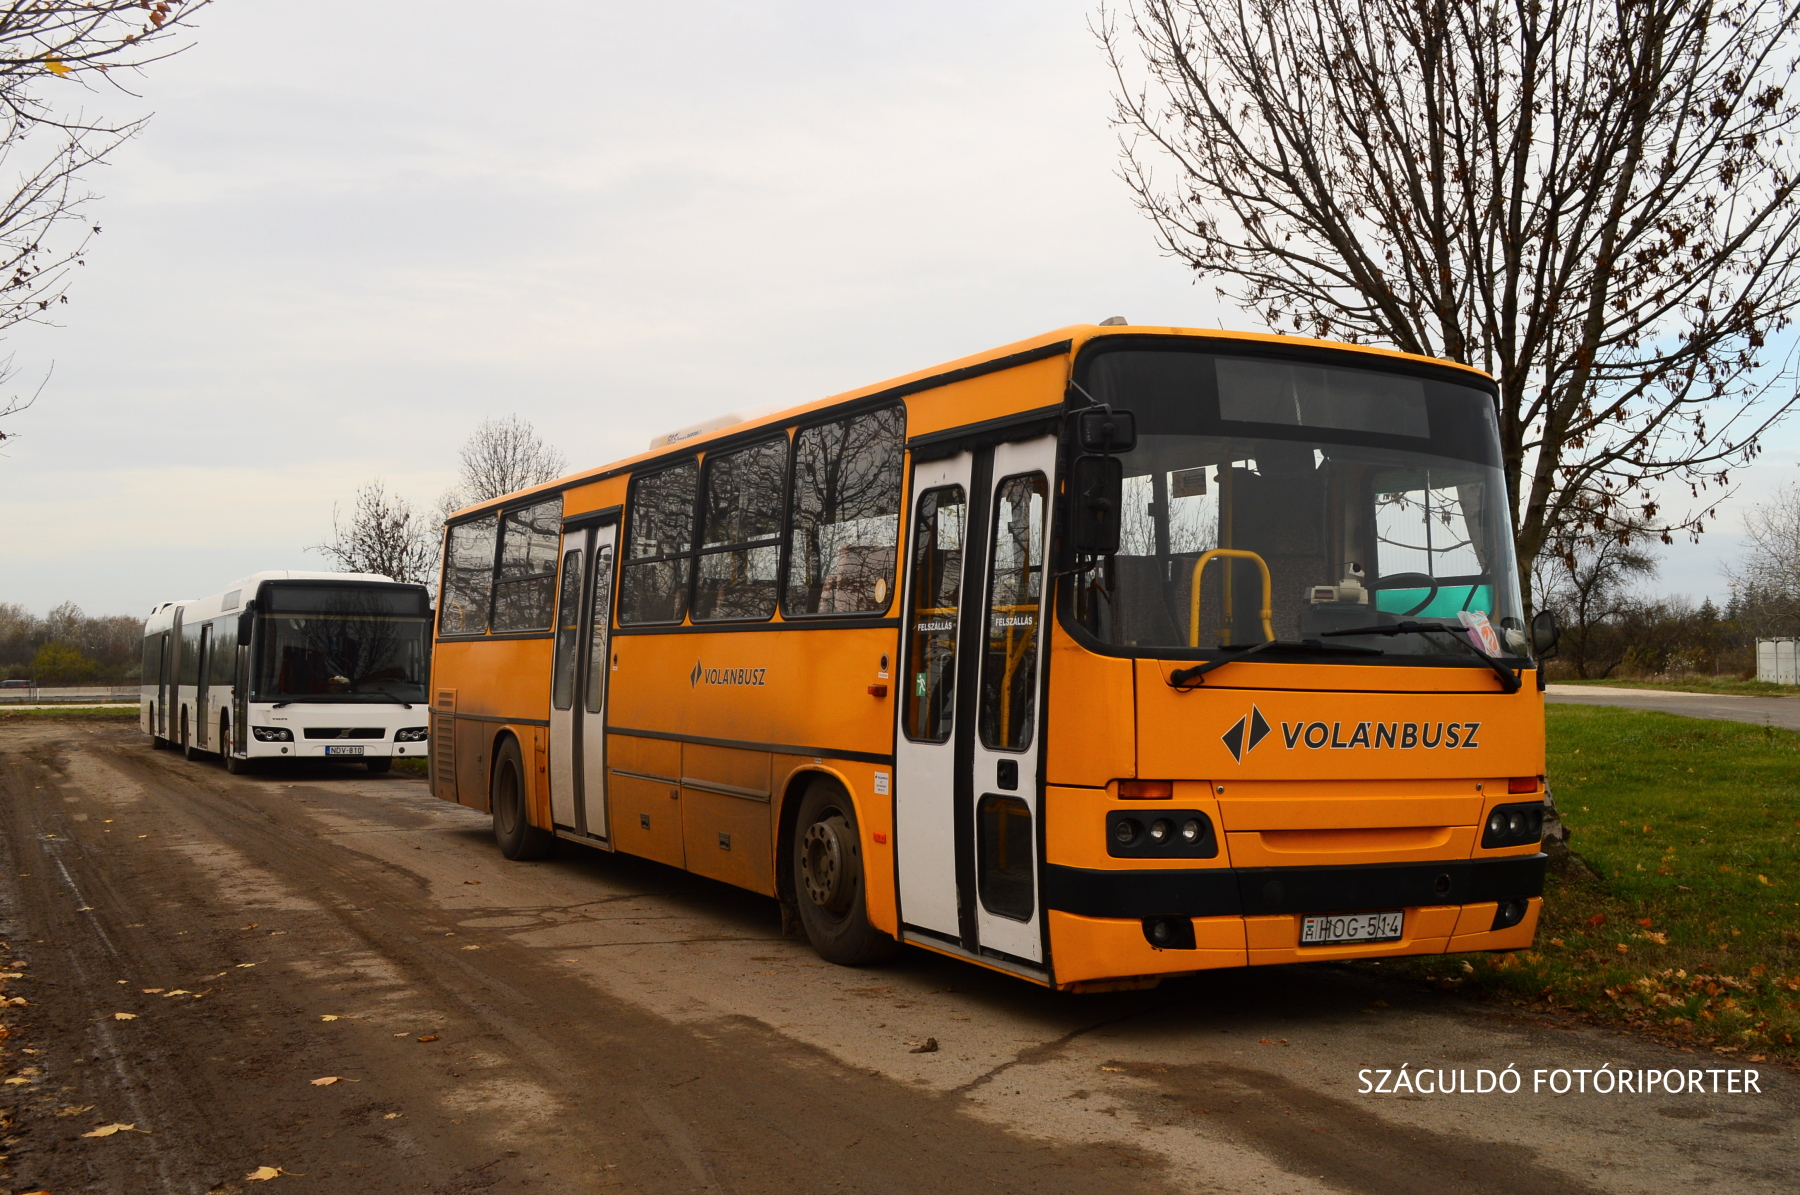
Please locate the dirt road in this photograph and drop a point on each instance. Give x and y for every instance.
(597, 1024)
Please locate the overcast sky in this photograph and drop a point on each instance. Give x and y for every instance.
(353, 231)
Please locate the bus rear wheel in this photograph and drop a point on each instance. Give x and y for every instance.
(518, 838)
(828, 880)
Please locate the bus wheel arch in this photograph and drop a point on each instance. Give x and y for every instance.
(507, 786)
(823, 872)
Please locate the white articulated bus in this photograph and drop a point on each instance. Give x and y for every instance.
(287, 665)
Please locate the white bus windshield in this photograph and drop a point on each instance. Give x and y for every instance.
(342, 644)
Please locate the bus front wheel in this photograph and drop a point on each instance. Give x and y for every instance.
(828, 880)
(518, 838)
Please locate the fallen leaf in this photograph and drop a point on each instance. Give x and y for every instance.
(471, 948)
(75, 1109)
(107, 1130)
(391, 1116)
(1597, 919)
(429, 1037)
(246, 965)
(327, 1081)
(1763, 880)
(1114, 1069)
(263, 1174)
(329, 1017)
(151, 991)
(471, 881)
(14, 1082)
(1644, 921)
(124, 1016)
(928, 1046)
(177, 992)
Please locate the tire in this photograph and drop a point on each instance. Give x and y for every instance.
(519, 840)
(828, 880)
(236, 765)
(379, 764)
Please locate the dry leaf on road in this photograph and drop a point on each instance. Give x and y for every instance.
(107, 1130)
(263, 1174)
(330, 1016)
(429, 1037)
(124, 1016)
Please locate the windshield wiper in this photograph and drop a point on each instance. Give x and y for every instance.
(1509, 680)
(1179, 678)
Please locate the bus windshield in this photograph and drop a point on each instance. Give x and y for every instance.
(1369, 497)
(343, 644)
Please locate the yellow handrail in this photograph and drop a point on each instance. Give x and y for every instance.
(1194, 597)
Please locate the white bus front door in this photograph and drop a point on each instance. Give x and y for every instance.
(579, 674)
(966, 776)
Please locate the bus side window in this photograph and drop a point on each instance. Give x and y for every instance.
(937, 566)
(740, 539)
(844, 530)
(526, 584)
(468, 577)
(659, 545)
(222, 670)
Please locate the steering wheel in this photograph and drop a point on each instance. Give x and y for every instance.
(1410, 581)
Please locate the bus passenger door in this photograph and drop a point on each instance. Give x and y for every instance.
(202, 695)
(1008, 687)
(966, 760)
(927, 792)
(578, 681)
(162, 687)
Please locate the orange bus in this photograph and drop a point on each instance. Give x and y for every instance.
(1113, 654)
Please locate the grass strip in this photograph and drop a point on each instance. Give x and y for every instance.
(1677, 914)
(1730, 685)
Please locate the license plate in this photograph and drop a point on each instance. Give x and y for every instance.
(344, 750)
(1351, 927)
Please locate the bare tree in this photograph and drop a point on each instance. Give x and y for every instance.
(383, 534)
(499, 457)
(53, 55)
(1767, 580)
(1593, 200)
(1587, 579)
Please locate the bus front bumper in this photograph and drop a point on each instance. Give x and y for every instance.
(1099, 920)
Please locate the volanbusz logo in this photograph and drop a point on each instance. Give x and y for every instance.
(1234, 738)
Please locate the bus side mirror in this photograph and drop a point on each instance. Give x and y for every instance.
(1096, 492)
(1105, 430)
(245, 621)
(1545, 634)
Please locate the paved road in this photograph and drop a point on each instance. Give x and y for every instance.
(1772, 711)
(598, 1023)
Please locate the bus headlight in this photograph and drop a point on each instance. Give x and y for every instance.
(272, 734)
(412, 734)
(1514, 825)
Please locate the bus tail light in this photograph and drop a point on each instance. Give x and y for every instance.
(1146, 790)
(1522, 784)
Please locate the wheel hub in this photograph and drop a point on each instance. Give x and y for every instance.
(824, 853)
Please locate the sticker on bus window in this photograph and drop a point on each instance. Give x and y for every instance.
(1188, 483)
(1480, 630)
